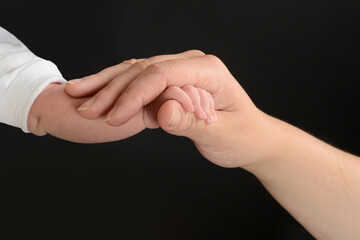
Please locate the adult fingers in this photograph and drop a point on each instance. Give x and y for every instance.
(87, 86)
(182, 55)
(105, 98)
(206, 72)
(90, 85)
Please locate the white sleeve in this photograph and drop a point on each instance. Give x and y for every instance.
(22, 78)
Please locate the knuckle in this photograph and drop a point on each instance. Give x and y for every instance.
(214, 60)
(173, 88)
(190, 89)
(209, 95)
(108, 89)
(161, 70)
(196, 52)
(156, 67)
(130, 92)
(141, 65)
(129, 62)
(201, 91)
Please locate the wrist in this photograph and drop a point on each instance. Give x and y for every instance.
(283, 144)
(269, 141)
(35, 125)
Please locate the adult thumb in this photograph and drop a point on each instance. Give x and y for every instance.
(175, 120)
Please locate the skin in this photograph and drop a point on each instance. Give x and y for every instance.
(317, 183)
(56, 113)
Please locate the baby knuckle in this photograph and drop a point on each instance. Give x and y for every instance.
(200, 90)
(173, 88)
(190, 89)
(207, 94)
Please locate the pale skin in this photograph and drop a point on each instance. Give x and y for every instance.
(56, 113)
(317, 183)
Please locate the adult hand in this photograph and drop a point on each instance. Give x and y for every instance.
(317, 183)
(54, 111)
(237, 139)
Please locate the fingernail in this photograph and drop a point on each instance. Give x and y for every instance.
(174, 119)
(74, 81)
(110, 114)
(86, 105)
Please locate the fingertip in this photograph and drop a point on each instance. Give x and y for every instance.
(200, 114)
(113, 122)
(115, 117)
(90, 113)
(72, 88)
(83, 87)
(74, 81)
(109, 115)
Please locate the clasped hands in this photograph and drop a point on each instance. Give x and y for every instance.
(194, 95)
(188, 94)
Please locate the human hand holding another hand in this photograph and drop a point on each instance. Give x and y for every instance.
(54, 111)
(307, 176)
(237, 139)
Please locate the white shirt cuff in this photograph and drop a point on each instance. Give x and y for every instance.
(23, 76)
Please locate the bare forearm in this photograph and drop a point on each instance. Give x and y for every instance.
(317, 183)
(55, 113)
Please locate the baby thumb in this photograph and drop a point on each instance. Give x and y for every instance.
(175, 120)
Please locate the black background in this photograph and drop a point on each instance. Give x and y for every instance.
(296, 59)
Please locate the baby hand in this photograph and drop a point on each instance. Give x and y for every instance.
(192, 99)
